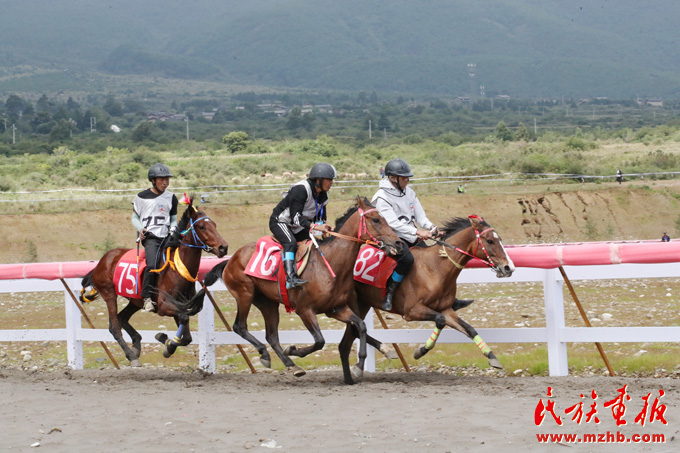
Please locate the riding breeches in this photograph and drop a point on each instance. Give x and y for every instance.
(405, 259)
(286, 237)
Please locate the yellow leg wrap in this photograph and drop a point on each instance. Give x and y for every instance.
(429, 344)
(482, 345)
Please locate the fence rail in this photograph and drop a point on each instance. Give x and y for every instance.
(556, 335)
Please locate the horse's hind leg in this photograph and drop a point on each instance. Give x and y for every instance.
(270, 312)
(241, 327)
(124, 320)
(109, 295)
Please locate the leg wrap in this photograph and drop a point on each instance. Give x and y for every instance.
(429, 344)
(481, 344)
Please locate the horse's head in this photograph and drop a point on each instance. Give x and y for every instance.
(198, 230)
(489, 247)
(372, 226)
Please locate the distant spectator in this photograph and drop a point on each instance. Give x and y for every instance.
(382, 172)
(619, 175)
(461, 188)
(665, 237)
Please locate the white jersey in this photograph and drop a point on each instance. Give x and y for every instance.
(402, 211)
(155, 211)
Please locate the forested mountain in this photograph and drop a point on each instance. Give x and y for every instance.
(538, 48)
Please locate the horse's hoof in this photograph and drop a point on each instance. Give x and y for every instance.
(494, 362)
(265, 362)
(135, 363)
(297, 371)
(357, 372)
(289, 349)
(162, 337)
(418, 353)
(388, 352)
(167, 354)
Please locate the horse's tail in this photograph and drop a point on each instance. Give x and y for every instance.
(86, 283)
(195, 305)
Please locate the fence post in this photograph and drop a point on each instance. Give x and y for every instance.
(74, 346)
(369, 364)
(206, 337)
(554, 323)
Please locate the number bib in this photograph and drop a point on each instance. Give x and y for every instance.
(373, 267)
(125, 275)
(266, 259)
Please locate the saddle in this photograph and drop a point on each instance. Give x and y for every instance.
(127, 277)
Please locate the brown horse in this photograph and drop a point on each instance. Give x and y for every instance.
(175, 284)
(428, 291)
(323, 293)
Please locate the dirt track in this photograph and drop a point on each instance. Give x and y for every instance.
(145, 410)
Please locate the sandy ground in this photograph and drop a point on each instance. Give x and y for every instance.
(152, 410)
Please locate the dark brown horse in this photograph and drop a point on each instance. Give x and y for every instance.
(323, 293)
(428, 291)
(175, 284)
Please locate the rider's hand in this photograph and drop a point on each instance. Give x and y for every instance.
(424, 234)
(142, 234)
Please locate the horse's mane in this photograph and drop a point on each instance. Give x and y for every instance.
(183, 222)
(456, 224)
(340, 221)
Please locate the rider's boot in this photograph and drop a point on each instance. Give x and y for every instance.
(392, 286)
(292, 278)
(148, 290)
(461, 303)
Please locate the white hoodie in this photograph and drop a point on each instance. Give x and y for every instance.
(401, 210)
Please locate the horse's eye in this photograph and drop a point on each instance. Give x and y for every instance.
(376, 220)
(489, 241)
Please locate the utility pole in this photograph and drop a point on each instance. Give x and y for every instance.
(186, 118)
(535, 129)
(93, 123)
(14, 136)
(370, 131)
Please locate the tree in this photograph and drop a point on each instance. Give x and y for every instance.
(113, 107)
(522, 133)
(143, 131)
(236, 141)
(61, 131)
(14, 105)
(384, 122)
(503, 132)
(294, 121)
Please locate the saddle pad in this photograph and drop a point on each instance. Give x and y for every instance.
(126, 274)
(372, 267)
(265, 261)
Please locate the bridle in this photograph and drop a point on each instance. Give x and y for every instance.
(479, 243)
(197, 241)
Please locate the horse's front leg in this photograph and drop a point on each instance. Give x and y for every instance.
(358, 329)
(181, 338)
(421, 312)
(453, 320)
(110, 297)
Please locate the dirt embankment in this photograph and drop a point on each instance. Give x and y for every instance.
(612, 213)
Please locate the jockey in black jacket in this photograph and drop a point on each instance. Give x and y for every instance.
(303, 208)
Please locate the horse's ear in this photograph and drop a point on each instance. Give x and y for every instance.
(475, 220)
(361, 202)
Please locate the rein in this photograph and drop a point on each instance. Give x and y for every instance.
(478, 244)
(362, 228)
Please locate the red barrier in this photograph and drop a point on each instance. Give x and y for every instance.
(544, 256)
(74, 269)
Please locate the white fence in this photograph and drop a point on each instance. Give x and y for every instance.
(556, 335)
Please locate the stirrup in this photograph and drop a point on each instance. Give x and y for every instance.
(295, 282)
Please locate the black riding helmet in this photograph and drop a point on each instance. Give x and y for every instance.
(159, 171)
(398, 167)
(323, 170)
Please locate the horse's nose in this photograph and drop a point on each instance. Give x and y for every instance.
(222, 250)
